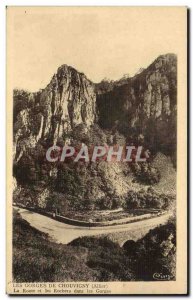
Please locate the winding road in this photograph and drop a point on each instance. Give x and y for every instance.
(65, 233)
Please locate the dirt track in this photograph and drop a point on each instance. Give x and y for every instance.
(65, 233)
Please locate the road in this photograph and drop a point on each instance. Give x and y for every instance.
(65, 233)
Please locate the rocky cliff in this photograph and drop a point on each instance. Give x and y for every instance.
(144, 104)
(51, 114)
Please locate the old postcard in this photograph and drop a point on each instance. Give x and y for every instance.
(96, 150)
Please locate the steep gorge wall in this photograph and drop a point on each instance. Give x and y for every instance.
(146, 104)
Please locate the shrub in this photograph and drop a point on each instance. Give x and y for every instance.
(145, 173)
(148, 199)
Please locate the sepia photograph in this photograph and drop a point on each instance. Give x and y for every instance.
(96, 150)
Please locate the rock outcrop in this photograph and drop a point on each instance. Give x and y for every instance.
(145, 104)
(68, 101)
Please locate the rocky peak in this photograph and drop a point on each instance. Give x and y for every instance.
(67, 101)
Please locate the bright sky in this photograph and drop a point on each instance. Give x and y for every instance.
(100, 42)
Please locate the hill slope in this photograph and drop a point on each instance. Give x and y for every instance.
(72, 110)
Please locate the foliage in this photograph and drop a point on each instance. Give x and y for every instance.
(145, 173)
(154, 253)
(21, 100)
(148, 199)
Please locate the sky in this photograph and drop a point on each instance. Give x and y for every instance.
(100, 42)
